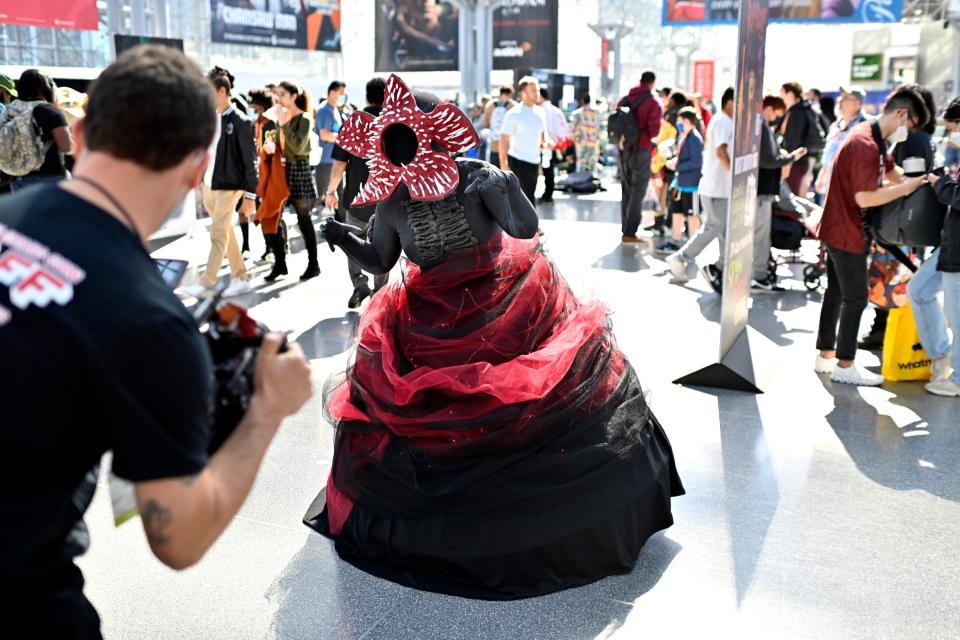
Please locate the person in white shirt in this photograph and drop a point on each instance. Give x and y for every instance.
(523, 135)
(714, 192)
(559, 131)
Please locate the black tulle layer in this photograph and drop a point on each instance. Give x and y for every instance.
(492, 441)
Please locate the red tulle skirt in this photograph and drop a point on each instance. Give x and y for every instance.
(488, 406)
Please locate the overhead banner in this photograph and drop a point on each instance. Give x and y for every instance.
(705, 12)
(703, 72)
(742, 212)
(525, 35)
(313, 25)
(80, 15)
(416, 36)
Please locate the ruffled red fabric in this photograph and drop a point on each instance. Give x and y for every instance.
(467, 359)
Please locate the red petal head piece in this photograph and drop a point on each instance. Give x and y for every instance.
(397, 146)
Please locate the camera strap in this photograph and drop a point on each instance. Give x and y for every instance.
(109, 196)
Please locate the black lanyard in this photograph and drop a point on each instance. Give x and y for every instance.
(882, 147)
(109, 196)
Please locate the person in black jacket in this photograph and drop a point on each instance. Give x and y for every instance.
(801, 127)
(920, 142)
(941, 272)
(772, 161)
(234, 177)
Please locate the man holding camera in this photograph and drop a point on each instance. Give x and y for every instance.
(98, 353)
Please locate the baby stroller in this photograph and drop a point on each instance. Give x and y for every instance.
(795, 219)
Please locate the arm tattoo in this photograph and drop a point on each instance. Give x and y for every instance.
(156, 518)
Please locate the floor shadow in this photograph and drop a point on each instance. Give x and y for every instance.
(765, 312)
(330, 336)
(319, 596)
(900, 436)
(629, 258)
(569, 209)
(751, 491)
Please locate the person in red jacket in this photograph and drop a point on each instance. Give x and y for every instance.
(635, 160)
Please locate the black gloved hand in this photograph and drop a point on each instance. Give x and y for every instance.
(332, 231)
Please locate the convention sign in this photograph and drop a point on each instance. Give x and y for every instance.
(80, 15)
(416, 36)
(736, 366)
(525, 34)
(705, 12)
(313, 25)
(866, 68)
(703, 72)
(742, 212)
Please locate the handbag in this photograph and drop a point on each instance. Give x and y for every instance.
(915, 221)
(887, 279)
(904, 357)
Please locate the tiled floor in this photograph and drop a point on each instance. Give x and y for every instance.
(812, 511)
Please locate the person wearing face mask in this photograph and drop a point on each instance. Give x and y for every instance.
(327, 124)
(85, 315)
(916, 156)
(941, 273)
(864, 176)
(686, 170)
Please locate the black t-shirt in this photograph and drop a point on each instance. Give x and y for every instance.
(96, 354)
(48, 118)
(357, 174)
(919, 144)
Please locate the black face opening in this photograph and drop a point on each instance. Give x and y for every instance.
(399, 144)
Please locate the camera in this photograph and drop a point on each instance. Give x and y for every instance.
(234, 339)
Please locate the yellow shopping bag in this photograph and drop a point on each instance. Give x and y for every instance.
(904, 357)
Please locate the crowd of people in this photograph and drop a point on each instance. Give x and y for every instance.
(276, 150)
(817, 150)
(252, 156)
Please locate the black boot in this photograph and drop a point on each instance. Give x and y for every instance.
(873, 341)
(245, 232)
(280, 253)
(269, 245)
(309, 234)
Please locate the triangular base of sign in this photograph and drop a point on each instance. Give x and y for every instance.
(736, 371)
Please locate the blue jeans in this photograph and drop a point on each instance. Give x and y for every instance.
(22, 183)
(926, 283)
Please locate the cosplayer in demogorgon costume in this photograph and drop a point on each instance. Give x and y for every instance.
(491, 440)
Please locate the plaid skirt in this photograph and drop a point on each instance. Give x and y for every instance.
(300, 180)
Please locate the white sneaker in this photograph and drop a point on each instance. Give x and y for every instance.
(825, 365)
(680, 268)
(941, 368)
(197, 290)
(856, 375)
(943, 387)
(237, 287)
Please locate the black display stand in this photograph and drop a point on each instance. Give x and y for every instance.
(737, 370)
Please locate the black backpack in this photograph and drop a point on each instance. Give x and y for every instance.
(914, 221)
(622, 123)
